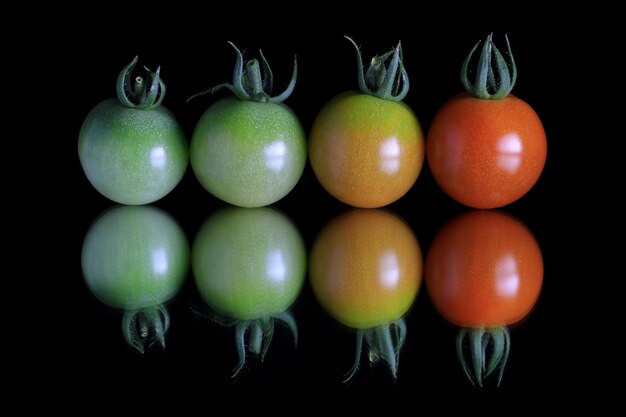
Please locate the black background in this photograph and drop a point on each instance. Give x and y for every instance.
(545, 362)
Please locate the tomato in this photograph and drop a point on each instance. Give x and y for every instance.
(483, 272)
(365, 268)
(133, 151)
(249, 151)
(367, 148)
(486, 154)
(136, 258)
(486, 150)
(249, 265)
(484, 269)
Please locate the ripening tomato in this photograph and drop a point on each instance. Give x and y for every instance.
(365, 268)
(249, 151)
(132, 149)
(367, 148)
(484, 269)
(136, 258)
(487, 148)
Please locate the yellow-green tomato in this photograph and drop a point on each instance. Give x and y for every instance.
(366, 268)
(132, 155)
(366, 151)
(248, 263)
(248, 153)
(135, 257)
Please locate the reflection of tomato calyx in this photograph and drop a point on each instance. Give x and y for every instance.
(365, 269)
(488, 350)
(381, 342)
(145, 327)
(260, 332)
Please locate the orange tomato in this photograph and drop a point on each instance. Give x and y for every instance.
(366, 268)
(484, 269)
(366, 151)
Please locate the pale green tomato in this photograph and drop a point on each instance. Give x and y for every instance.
(247, 153)
(135, 257)
(130, 155)
(248, 263)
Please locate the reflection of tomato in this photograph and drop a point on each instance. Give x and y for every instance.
(249, 263)
(365, 268)
(484, 269)
(135, 257)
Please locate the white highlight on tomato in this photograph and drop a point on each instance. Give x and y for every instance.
(390, 155)
(160, 264)
(275, 154)
(157, 157)
(276, 266)
(508, 278)
(509, 152)
(389, 269)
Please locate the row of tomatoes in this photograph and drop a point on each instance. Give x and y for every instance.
(486, 148)
(483, 271)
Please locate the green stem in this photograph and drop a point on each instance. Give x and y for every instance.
(386, 82)
(493, 80)
(134, 95)
(255, 83)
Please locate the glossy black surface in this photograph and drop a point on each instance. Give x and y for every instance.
(194, 370)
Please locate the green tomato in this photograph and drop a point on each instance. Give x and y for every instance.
(135, 257)
(248, 263)
(131, 155)
(248, 153)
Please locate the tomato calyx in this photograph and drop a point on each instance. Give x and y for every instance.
(380, 342)
(254, 82)
(144, 327)
(493, 81)
(387, 82)
(488, 350)
(143, 93)
(260, 332)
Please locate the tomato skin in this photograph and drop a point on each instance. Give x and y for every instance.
(135, 257)
(484, 269)
(486, 153)
(365, 268)
(132, 156)
(248, 153)
(249, 263)
(365, 151)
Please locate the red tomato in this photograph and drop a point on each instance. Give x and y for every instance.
(487, 148)
(365, 268)
(484, 269)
